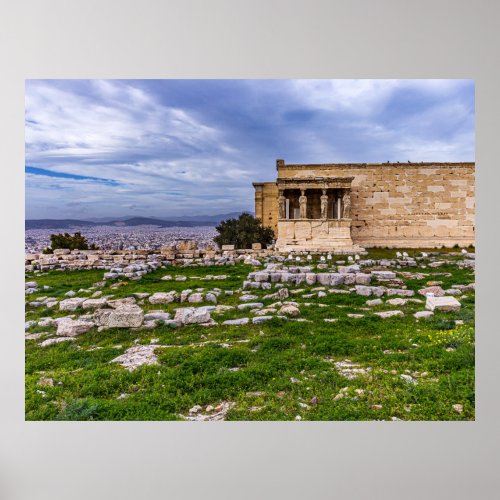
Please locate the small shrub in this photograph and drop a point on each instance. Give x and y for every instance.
(242, 232)
(71, 242)
(79, 409)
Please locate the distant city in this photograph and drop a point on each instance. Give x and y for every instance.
(126, 233)
(123, 237)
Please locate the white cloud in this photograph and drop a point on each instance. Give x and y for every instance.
(202, 158)
(62, 124)
(362, 97)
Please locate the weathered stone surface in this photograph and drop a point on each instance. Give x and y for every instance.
(324, 278)
(310, 278)
(195, 298)
(136, 356)
(384, 275)
(163, 297)
(122, 317)
(374, 302)
(55, 340)
(443, 304)
(186, 246)
(94, 303)
(29, 324)
(72, 328)
(354, 268)
(363, 279)
(211, 297)
(71, 304)
(239, 321)
(349, 278)
(261, 276)
(290, 310)
(192, 315)
(261, 319)
(47, 322)
(222, 308)
(423, 314)
(400, 291)
(251, 305)
(266, 311)
(389, 314)
(363, 290)
(378, 291)
(156, 315)
(248, 297)
(281, 294)
(397, 302)
(125, 302)
(437, 291)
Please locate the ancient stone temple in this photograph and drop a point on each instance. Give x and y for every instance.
(340, 207)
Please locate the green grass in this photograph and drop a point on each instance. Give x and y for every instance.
(197, 367)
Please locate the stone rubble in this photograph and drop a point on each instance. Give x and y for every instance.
(137, 356)
(214, 414)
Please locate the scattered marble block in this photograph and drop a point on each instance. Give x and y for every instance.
(389, 314)
(442, 304)
(423, 314)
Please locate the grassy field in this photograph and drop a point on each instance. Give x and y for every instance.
(279, 370)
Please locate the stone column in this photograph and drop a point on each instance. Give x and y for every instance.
(346, 202)
(303, 204)
(339, 206)
(324, 205)
(281, 205)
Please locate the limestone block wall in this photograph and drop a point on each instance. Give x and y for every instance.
(266, 204)
(398, 205)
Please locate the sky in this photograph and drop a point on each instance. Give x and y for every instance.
(167, 148)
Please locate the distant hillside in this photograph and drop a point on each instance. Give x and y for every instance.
(56, 223)
(214, 218)
(148, 221)
(187, 221)
(192, 218)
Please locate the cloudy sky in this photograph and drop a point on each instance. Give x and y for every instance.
(166, 148)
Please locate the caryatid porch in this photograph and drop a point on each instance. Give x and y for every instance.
(314, 214)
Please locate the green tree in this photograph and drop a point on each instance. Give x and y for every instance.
(243, 231)
(71, 242)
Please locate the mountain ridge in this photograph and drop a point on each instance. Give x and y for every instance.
(184, 221)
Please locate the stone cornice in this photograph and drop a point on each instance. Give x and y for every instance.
(300, 166)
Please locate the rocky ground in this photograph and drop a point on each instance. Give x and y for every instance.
(388, 336)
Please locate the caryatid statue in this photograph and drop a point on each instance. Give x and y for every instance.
(281, 205)
(303, 204)
(324, 205)
(346, 203)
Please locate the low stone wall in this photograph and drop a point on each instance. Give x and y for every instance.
(325, 275)
(138, 261)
